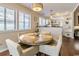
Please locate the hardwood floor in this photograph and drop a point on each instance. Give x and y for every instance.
(67, 48)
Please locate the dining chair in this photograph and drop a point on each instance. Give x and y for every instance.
(16, 50)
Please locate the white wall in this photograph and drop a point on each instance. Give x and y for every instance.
(68, 28)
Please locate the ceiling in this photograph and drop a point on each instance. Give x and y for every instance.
(55, 7)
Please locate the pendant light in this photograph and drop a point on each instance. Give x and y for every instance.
(37, 7)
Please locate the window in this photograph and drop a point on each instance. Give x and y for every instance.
(7, 17)
(24, 21)
(27, 21)
(1, 19)
(42, 21)
(21, 21)
(10, 19)
(47, 22)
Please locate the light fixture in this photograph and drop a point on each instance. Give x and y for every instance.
(37, 7)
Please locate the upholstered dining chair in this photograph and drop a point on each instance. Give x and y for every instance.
(52, 50)
(16, 50)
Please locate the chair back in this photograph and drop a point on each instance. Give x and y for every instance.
(13, 47)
